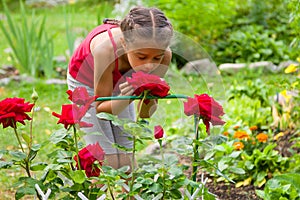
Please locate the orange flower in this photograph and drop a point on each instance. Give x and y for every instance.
(262, 137)
(253, 128)
(236, 127)
(226, 133)
(238, 145)
(241, 135)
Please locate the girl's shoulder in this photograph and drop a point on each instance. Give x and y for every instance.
(103, 40)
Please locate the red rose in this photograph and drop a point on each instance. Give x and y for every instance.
(158, 132)
(206, 108)
(88, 156)
(141, 82)
(13, 110)
(80, 96)
(72, 114)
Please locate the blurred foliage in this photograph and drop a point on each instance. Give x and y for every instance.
(236, 30)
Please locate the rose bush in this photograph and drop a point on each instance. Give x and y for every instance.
(166, 180)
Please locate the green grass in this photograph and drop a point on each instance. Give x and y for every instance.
(82, 17)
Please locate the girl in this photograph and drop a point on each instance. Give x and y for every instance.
(113, 50)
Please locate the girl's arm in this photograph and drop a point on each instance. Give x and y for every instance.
(103, 81)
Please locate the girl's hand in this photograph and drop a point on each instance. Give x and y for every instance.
(126, 89)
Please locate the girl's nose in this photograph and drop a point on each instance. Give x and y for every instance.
(150, 67)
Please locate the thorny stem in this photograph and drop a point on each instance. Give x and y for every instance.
(163, 167)
(16, 133)
(195, 148)
(134, 141)
(26, 167)
(31, 129)
(110, 190)
(76, 146)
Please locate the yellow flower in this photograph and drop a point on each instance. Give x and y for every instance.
(238, 145)
(286, 96)
(262, 137)
(279, 135)
(290, 69)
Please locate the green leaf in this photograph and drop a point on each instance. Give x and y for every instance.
(51, 175)
(237, 170)
(220, 148)
(209, 155)
(176, 194)
(222, 164)
(156, 188)
(4, 165)
(261, 176)
(175, 171)
(18, 155)
(36, 147)
(171, 159)
(137, 186)
(26, 138)
(63, 160)
(22, 191)
(292, 178)
(78, 176)
(38, 166)
(260, 193)
(249, 165)
(58, 136)
(235, 154)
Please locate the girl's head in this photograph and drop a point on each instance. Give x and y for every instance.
(148, 25)
(147, 34)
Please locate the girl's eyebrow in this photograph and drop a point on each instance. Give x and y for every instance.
(143, 54)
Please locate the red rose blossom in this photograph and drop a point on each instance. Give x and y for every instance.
(72, 114)
(206, 108)
(141, 82)
(158, 132)
(80, 96)
(88, 156)
(13, 110)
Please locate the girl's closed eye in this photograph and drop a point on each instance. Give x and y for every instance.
(158, 58)
(142, 57)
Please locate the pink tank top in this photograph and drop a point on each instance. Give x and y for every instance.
(81, 65)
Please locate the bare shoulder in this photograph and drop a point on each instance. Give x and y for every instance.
(101, 44)
(102, 41)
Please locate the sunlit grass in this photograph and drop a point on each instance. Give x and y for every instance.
(82, 18)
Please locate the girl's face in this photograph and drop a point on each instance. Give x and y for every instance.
(145, 59)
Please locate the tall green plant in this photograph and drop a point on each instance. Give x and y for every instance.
(32, 48)
(71, 36)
